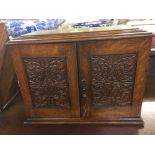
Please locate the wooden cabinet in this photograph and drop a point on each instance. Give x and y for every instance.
(95, 77)
(8, 81)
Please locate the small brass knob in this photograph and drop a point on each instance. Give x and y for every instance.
(84, 88)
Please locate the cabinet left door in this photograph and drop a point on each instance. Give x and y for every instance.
(48, 79)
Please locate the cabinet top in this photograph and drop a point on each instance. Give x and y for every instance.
(79, 36)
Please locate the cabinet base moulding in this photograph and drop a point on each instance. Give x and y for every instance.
(124, 121)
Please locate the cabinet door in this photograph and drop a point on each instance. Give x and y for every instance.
(112, 77)
(48, 79)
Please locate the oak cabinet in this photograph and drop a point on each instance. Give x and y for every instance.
(93, 78)
(8, 82)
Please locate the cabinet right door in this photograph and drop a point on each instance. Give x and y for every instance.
(112, 77)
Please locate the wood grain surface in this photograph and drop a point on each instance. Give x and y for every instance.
(105, 71)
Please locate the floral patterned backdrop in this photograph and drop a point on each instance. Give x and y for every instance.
(17, 28)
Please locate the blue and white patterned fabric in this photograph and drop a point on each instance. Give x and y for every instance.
(99, 23)
(18, 28)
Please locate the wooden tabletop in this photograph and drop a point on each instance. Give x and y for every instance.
(79, 36)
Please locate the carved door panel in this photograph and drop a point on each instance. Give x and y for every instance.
(109, 85)
(48, 78)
